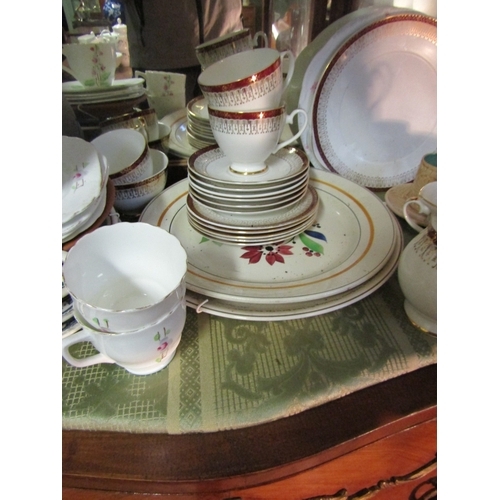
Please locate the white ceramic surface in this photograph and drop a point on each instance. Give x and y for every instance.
(129, 88)
(249, 138)
(127, 153)
(249, 80)
(313, 60)
(82, 177)
(93, 65)
(375, 107)
(119, 278)
(212, 165)
(352, 239)
(140, 352)
(86, 219)
(231, 43)
(131, 198)
(281, 312)
(426, 204)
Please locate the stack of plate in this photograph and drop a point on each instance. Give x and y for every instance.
(87, 196)
(128, 88)
(348, 251)
(228, 207)
(199, 131)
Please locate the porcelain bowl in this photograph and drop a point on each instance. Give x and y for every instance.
(133, 197)
(128, 155)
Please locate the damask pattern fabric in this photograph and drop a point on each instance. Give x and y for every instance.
(230, 373)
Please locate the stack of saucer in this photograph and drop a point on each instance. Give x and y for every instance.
(271, 206)
(199, 131)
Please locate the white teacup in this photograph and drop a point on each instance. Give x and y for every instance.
(226, 45)
(247, 81)
(141, 352)
(92, 64)
(125, 276)
(426, 203)
(128, 155)
(248, 138)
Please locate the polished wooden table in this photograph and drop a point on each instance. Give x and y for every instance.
(380, 440)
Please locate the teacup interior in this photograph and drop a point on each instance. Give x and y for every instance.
(125, 266)
(238, 66)
(121, 147)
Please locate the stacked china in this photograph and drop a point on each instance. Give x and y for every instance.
(127, 297)
(137, 172)
(251, 177)
(199, 131)
(87, 196)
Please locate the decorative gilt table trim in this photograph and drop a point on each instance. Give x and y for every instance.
(383, 484)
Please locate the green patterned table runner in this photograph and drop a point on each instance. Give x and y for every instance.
(231, 373)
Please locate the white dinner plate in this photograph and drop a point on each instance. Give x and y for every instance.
(351, 240)
(375, 108)
(282, 312)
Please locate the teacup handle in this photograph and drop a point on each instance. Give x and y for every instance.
(260, 34)
(76, 338)
(65, 68)
(422, 209)
(140, 74)
(289, 120)
(291, 66)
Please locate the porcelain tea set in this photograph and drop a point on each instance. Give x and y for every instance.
(250, 170)
(247, 186)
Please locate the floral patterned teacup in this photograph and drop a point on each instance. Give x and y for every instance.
(92, 64)
(140, 352)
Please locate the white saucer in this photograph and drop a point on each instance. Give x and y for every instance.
(78, 88)
(397, 196)
(212, 164)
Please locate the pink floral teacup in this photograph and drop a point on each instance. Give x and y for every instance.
(92, 64)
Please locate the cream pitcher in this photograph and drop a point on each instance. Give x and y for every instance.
(417, 271)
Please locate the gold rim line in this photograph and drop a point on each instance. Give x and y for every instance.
(298, 285)
(261, 171)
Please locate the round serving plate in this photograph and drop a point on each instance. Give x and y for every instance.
(350, 240)
(375, 107)
(281, 312)
(313, 60)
